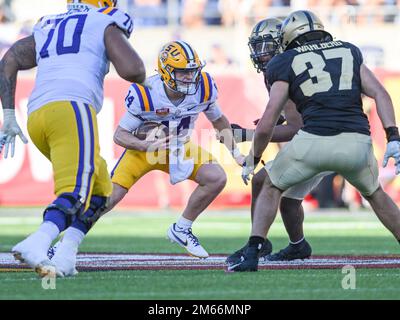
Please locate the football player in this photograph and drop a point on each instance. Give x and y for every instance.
(179, 93)
(325, 79)
(264, 45)
(73, 52)
(174, 98)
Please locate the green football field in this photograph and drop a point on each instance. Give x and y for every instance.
(220, 232)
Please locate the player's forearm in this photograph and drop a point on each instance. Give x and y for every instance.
(264, 131)
(260, 141)
(284, 133)
(8, 80)
(223, 126)
(127, 140)
(21, 56)
(384, 107)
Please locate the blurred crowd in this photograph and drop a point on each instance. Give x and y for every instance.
(192, 13)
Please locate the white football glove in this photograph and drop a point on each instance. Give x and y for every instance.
(249, 165)
(392, 151)
(9, 131)
(2, 141)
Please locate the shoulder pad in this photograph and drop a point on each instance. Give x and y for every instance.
(49, 21)
(208, 88)
(120, 18)
(139, 99)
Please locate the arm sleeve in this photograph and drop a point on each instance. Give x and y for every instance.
(278, 70)
(213, 111)
(130, 122)
(132, 117)
(358, 55)
(121, 19)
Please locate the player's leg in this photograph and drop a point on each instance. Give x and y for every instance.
(256, 185)
(364, 176)
(131, 166)
(63, 132)
(292, 213)
(211, 179)
(65, 254)
(293, 164)
(386, 210)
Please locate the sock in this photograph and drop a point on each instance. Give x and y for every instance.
(41, 240)
(184, 223)
(255, 241)
(297, 242)
(50, 229)
(73, 236)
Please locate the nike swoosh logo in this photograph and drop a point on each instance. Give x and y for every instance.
(191, 108)
(177, 238)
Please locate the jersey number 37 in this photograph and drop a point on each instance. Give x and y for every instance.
(322, 79)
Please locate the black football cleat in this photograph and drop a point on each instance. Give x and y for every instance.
(248, 262)
(291, 252)
(266, 249)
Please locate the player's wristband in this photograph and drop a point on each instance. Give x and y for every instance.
(392, 134)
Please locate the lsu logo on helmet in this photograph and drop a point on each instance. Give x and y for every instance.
(94, 3)
(179, 58)
(264, 42)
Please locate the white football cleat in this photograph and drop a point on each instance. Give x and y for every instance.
(65, 258)
(186, 239)
(32, 251)
(52, 250)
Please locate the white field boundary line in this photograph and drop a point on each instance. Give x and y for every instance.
(147, 261)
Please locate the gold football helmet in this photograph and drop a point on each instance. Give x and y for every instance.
(302, 26)
(264, 42)
(95, 3)
(180, 67)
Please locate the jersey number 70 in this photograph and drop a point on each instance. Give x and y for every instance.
(78, 20)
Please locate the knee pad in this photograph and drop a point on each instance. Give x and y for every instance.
(97, 206)
(68, 203)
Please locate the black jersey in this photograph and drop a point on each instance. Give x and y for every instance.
(325, 84)
(282, 118)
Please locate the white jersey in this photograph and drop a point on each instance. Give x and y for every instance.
(146, 104)
(71, 55)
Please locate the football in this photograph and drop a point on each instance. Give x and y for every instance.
(151, 131)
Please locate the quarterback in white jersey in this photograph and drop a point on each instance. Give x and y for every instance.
(175, 98)
(72, 51)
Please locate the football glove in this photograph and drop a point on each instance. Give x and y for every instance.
(10, 130)
(2, 141)
(249, 165)
(392, 151)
